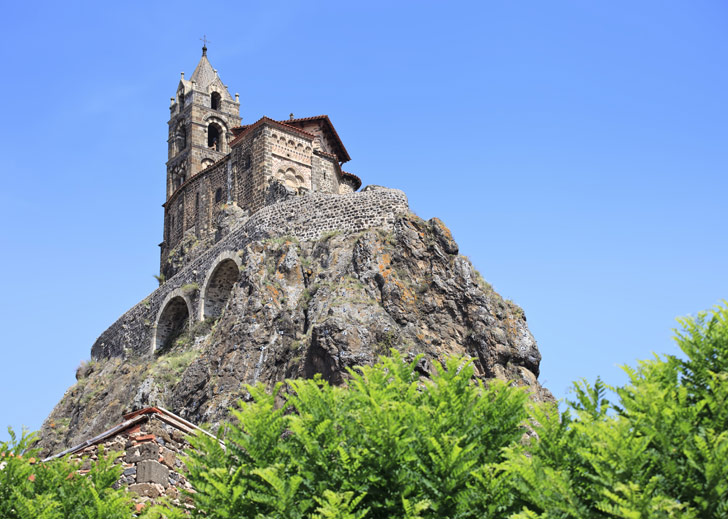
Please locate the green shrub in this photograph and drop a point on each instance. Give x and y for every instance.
(389, 445)
(55, 489)
(660, 451)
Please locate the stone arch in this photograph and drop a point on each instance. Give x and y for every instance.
(218, 284)
(291, 178)
(172, 320)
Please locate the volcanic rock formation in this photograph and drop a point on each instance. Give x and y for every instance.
(306, 306)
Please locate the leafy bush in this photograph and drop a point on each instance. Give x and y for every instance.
(387, 446)
(56, 489)
(393, 446)
(661, 451)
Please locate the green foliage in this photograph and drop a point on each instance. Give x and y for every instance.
(56, 490)
(387, 446)
(661, 451)
(190, 288)
(393, 446)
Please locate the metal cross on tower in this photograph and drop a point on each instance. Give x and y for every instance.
(204, 41)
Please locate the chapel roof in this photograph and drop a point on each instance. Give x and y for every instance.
(300, 124)
(328, 127)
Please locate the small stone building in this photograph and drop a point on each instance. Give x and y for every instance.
(152, 441)
(214, 163)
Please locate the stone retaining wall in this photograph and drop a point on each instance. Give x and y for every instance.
(305, 217)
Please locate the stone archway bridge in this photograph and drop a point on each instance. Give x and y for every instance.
(201, 289)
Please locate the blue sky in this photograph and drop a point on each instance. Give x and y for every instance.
(577, 151)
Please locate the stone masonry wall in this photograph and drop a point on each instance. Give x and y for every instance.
(305, 217)
(267, 154)
(150, 456)
(194, 206)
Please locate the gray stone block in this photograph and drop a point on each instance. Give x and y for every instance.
(145, 489)
(152, 472)
(144, 451)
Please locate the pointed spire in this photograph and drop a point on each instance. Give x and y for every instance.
(204, 44)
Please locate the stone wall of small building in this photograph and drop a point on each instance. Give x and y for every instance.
(151, 459)
(305, 217)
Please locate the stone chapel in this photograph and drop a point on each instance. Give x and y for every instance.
(216, 165)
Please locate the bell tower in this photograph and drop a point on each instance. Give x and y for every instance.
(202, 115)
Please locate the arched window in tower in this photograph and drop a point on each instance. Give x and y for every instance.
(181, 100)
(215, 101)
(214, 136)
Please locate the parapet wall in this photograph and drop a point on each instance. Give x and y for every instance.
(305, 217)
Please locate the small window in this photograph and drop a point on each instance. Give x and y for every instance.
(215, 100)
(181, 100)
(218, 195)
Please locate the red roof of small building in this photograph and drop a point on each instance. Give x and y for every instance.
(131, 419)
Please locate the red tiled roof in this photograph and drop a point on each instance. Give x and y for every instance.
(132, 419)
(352, 176)
(326, 154)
